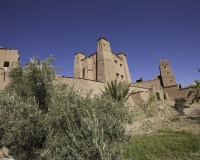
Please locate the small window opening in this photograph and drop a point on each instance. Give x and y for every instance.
(117, 75)
(83, 72)
(115, 62)
(171, 80)
(122, 77)
(120, 65)
(158, 96)
(165, 96)
(6, 64)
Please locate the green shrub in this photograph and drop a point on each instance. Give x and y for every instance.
(165, 144)
(44, 119)
(180, 104)
(118, 91)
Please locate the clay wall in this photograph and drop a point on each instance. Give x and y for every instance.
(138, 89)
(139, 97)
(125, 67)
(93, 59)
(7, 58)
(147, 84)
(102, 66)
(78, 69)
(184, 93)
(106, 68)
(158, 92)
(82, 85)
(119, 68)
(172, 92)
(175, 92)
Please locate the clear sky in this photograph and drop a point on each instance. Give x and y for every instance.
(147, 30)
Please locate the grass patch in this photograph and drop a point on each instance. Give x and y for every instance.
(164, 144)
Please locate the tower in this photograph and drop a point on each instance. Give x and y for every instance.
(105, 62)
(78, 70)
(167, 76)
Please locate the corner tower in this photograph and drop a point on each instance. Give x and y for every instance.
(167, 76)
(105, 62)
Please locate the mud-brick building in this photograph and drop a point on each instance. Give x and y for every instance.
(93, 71)
(102, 66)
(7, 56)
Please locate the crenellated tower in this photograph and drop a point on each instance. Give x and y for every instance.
(105, 62)
(167, 76)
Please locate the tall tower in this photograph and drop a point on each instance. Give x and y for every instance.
(78, 69)
(105, 62)
(167, 76)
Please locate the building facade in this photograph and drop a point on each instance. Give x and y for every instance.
(93, 71)
(102, 66)
(7, 57)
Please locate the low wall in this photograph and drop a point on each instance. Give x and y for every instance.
(147, 84)
(82, 85)
(85, 86)
(175, 92)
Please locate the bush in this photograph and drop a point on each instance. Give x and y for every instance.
(44, 119)
(180, 104)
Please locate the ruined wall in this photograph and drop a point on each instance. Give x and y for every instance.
(7, 57)
(158, 92)
(172, 92)
(140, 97)
(175, 92)
(184, 93)
(147, 84)
(137, 89)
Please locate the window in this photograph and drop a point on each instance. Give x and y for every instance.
(122, 77)
(117, 75)
(115, 62)
(120, 65)
(83, 72)
(6, 64)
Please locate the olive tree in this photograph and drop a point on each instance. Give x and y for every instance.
(42, 119)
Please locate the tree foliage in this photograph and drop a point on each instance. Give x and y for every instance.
(43, 119)
(180, 104)
(195, 91)
(118, 91)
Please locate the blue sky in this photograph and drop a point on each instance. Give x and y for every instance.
(147, 30)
